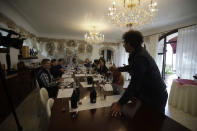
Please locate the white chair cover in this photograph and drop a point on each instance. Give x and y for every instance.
(49, 107)
(44, 97)
(43, 125)
(37, 98)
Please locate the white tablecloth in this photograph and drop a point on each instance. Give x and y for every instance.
(184, 97)
(86, 105)
(83, 75)
(65, 93)
(85, 85)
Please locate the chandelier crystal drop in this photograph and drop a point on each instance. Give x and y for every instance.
(93, 36)
(132, 13)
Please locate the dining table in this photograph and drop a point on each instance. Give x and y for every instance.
(99, 118)
(183, 95)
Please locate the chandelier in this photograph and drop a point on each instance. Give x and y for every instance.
(132, 13)
(93, 36)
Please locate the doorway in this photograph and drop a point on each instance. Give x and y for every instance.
(167, 55)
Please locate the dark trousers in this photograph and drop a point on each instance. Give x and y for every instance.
(156, 104)
(52, 91)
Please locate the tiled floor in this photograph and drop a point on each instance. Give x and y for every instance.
(27, 114)
(30, 121)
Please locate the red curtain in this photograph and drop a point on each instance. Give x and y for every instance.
(174, 40)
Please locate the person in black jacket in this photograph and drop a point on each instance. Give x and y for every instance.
(101, 67)
(146, 83)
(55, 71)
(87, 63)
(60, 65)
(95, 64)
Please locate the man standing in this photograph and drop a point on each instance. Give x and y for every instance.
(46, 80)
(146, 84)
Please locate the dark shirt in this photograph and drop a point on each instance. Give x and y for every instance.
(94, 67)
(102, 70)
(87, 65)
(55, 71)
(146, 83)
(59, 67)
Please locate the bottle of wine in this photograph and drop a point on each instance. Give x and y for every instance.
(77, 91)
(74, 100)
(93, 94)
(30, 52)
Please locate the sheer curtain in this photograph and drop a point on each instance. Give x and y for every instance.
(159, 58)
(186, 53)
(122, 58)
(151, 43)
(153, 46)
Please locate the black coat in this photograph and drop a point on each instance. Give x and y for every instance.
(55, 71)
(102, 70)
(146, 83)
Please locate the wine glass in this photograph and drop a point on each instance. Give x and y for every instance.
(102, 93)
(110, 78)
(62, 89)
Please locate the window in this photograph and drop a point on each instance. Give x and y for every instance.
(168, 51)
(3, 33)
(107, 53)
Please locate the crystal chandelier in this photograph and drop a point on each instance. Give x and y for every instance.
(93, 36)
(132, 13)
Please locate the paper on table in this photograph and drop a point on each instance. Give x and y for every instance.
(66, 75)
(79, 75)
(86, 105)
(96, 79)
(82, 75)
(69, 80)
(108, 87)
(65, 93)
(85, 84)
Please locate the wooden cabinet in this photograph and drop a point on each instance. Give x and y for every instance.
(19, 87)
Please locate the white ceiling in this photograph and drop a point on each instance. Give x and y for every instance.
(70, 18)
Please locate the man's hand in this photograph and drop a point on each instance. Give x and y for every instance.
(115, 109)
(60, 80)
(113, 68)
(62, 69)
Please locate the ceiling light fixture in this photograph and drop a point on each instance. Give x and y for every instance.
(132, 13)
(93, 36)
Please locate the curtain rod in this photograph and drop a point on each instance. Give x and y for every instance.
(172, 29)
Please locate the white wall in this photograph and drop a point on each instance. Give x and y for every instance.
(13, 53)
(11, 13)
(13, 56)
(8, 11)
(82, 56)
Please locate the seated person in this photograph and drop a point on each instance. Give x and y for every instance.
(87, 63)
(101, 67)
(118, 82)
(95, 64)
(46, 80)
(74, 62)
(60, 65)
(54, 69)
